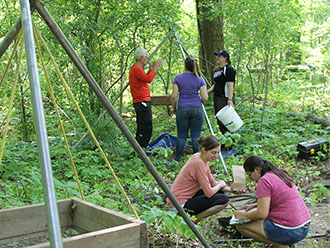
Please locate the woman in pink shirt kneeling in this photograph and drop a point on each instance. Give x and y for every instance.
(280, 216)
(195, 188)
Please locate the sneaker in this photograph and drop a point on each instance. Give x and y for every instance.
(224, 221)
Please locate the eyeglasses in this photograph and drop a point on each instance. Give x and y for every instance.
(249, 173)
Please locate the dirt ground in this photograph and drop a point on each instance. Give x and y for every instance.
(320, 224)
(320, 213)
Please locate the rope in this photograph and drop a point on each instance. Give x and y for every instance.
(10, 59)
(88, 127)
(51, 92)
(11, 100)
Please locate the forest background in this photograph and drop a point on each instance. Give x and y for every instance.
(280, 50)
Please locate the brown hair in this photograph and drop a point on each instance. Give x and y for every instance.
(253, 162)
(208, 142)
(191, 65)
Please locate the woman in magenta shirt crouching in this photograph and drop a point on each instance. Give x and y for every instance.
(280, 216)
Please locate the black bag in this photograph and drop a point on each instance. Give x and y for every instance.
(310, 148)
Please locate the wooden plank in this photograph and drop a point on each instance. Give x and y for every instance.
(109, 228)
(91, 217)
(161, 100)
(125, 236)
(143, 235)
(31, 219)
(21, 238)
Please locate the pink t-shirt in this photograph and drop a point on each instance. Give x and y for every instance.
(287, 208)
(195, 174)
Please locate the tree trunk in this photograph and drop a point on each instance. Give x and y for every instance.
(266, 91)
(24, 119)
(89, 61)
(238, 67)
(250, 75)
(211, 38)
(122, 68)
(316, 119)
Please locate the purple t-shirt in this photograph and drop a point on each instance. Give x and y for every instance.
(189, 86)
(287, 208)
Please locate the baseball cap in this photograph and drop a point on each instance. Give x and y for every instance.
(223, 53)
(140, 52)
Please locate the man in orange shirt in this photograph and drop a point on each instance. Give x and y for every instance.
(140, 91)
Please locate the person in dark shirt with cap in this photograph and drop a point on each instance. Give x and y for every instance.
(223, 87)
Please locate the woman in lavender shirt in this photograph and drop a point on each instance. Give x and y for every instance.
(190, 87)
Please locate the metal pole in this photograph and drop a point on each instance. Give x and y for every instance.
(211, 130)
(54, 229)
(184, 52)
(232, 240)
(160, 45)
(120, 123)
(11, 35)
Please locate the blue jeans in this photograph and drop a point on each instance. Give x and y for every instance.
(284, 236)
(188, 118)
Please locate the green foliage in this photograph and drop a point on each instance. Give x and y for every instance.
(20, 182)
(320, 194)
(105, 35)
(164, 152)
(169, 222)
(229, 139)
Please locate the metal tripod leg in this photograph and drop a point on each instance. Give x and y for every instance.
(232, 240)
(211, 130)
(54, 227)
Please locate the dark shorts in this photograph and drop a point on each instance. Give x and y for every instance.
(199, 202)
(285, 236)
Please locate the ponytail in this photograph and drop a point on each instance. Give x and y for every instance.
(196, 69)
(253, 162)
(192, 66)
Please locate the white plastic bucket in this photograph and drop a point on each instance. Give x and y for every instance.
(228, 116)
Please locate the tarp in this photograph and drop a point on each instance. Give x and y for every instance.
(167, 140)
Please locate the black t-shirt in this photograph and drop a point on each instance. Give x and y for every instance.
(220, 77)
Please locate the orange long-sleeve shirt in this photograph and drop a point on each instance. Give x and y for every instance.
(138, 81)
